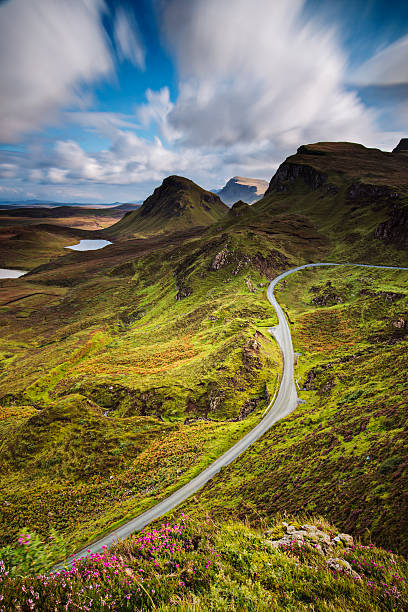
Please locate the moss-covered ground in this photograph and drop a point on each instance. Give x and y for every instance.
(125, 372)
(342, 453)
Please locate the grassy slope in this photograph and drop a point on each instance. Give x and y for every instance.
(105, 342)
(104, 386)
(26, 247)
(342, 453)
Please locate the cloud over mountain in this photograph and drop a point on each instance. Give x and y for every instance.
(253, 80)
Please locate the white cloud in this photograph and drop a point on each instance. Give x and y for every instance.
(48, 49)
(387, 67)
(128, 40)
(8, 170)
(256, 80)
(251, 71)
(157, 110)
(103, 122)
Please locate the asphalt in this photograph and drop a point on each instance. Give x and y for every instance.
(284, 403)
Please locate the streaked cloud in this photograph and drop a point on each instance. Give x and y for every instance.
(251, 71)
(128, 39)
(48, 50)
(387, 67)
(254, 81)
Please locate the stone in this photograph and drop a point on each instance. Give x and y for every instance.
(341, 565)
(346, 539)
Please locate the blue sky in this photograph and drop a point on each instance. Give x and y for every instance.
(100, 100)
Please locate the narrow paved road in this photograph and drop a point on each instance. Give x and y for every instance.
(285, 402)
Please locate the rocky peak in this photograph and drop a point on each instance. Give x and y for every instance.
(249, 190)
(402, 146)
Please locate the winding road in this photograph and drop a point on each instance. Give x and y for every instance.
(285, 402)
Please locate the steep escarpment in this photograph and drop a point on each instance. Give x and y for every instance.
(355, 195)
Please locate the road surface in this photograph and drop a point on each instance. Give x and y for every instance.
(285, 402)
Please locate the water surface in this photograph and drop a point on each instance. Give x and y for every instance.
(9, 273)
(89, 245)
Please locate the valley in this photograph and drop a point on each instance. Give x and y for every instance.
(134, 376)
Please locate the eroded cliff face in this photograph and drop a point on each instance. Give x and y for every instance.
(365, 194)
(288, 173)
(395, 229)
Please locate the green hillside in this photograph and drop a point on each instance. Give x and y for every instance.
(356, 196)
(152, 354)
(343, 452)
(124, 372)
(174, 206)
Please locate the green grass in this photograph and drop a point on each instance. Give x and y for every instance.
(184, 564)
(125, 392)
(342, 453)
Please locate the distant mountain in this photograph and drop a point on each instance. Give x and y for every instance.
(128, 206)
(248, 190)
(51, 204)
(176, 205)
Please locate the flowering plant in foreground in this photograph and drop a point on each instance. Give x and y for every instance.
(190, 564)
(140, 571)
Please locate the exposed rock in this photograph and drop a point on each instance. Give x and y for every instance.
(346, 538)
(395, 229)
(341, 565)
(288, 173)
(400, 323)
(221, 259)
(250, 286)
(183, 291)
(327, 297)
(248, 407)
(324, 543)
(365, 193)
(308, 385)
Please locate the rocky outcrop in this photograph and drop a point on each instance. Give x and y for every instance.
(329, 546)
(221, 259)
(183, 291)
(402, 146)
(395, 229)
(365, 194)
(288, 173)
(328, 296)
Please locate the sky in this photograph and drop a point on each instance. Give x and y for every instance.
(101, 99)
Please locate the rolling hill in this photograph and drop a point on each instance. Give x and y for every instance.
(125, 371)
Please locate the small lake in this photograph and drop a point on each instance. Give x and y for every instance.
(8, 273)
(89, 245)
